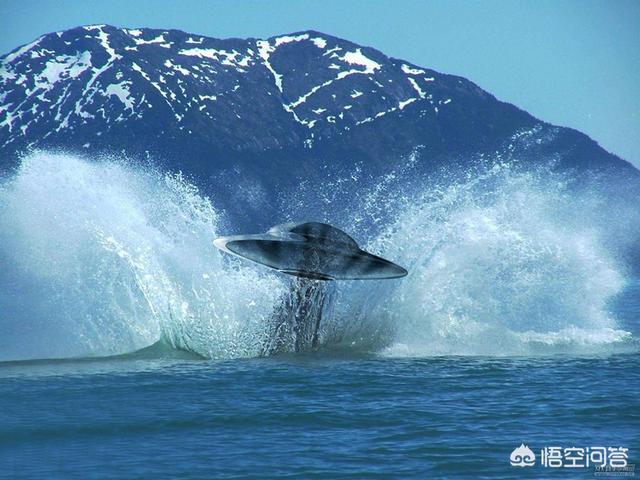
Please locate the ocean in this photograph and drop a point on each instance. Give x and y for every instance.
(129, 346)
(318, 415)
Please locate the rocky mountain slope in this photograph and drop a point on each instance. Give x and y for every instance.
(274, 111)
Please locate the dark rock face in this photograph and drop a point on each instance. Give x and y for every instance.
(269, 112)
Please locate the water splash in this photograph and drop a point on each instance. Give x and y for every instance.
(504, 262)
(297, 323)
(103, 258)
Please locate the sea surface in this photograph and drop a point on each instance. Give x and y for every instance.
(130, 346)
(312, 416)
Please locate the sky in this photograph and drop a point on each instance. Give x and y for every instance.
(574, 63)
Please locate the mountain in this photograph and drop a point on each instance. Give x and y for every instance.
(272, 111)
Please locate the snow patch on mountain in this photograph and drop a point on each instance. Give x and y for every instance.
(357, 58)
(121, 91)
(177, 68)
(264, 51)
(63, 66)
(224, 57)
(404, 103)
(159, 39)
(21, 51)
(323, 83)
(412, 71)
(317, 41)
(416, 87)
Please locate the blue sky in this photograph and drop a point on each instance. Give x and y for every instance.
(573, 63)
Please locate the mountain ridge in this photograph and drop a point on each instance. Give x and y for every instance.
(206, 104)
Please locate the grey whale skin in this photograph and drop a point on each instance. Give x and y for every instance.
(311, 250)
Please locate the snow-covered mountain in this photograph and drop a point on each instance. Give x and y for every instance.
(276, 110)
(246, 95)
(290, 88)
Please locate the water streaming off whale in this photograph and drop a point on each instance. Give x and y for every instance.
(102, 258)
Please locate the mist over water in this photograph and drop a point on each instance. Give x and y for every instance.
(101, 258)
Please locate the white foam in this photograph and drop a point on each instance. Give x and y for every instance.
(498, 265)
(113, 258)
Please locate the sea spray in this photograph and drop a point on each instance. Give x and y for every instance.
(504, 262)
(101, 258)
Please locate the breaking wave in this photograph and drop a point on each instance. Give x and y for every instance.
(103, 258)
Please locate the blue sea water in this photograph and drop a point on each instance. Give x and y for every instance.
(129, 345)
(312, 416)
